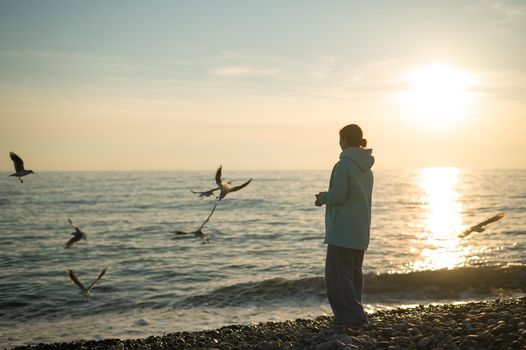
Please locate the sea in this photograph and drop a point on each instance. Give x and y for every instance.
(265, 257)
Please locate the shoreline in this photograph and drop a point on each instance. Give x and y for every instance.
(495, 324)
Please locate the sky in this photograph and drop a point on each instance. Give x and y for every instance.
(254, 85)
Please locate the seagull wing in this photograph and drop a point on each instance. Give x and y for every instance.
(480, 227)
(181, 233)
(71, 241)
(71, 223)
(466, 232)
(76, 280)
(492, 219)
(98, 278)
(19, 163)
(218, 175)
(205, 193)
(208, 218)
(237, 188)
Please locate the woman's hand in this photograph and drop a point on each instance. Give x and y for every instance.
(317, 202)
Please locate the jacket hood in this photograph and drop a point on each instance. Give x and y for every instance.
(362, 157)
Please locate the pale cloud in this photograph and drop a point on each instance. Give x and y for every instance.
(375, 73)
(335, 78)
(380, 79)
(324, 76)
(500, 11)
(508, 12)
(503, 16)
(503, 85)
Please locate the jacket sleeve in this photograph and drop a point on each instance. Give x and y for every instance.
(339, 187)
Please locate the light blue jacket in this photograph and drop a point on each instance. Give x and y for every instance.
(348, 201)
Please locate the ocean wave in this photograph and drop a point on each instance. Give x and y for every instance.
(448, 283)
(398, 288)
(460, 283)
(73, 201)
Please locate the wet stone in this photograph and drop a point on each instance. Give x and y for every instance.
(498, 329)
(424, 343)
(326, 345)
(402, 340)
(383, 344)
(269, 345)
(400, 327)
(387, 332)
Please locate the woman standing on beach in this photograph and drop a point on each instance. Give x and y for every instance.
(347, 226)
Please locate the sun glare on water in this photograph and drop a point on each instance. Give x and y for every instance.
(437, 94)
(440, 245)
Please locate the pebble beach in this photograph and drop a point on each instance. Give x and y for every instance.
(494, 324)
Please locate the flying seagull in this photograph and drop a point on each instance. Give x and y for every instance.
(198, 233)
(481, 227)
(19, 167)
(227, 187)
(77, 236)
(83, 290)
(205, 193)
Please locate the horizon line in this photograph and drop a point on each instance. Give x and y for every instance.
(280, 169)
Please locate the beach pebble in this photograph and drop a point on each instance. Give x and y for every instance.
(383, 344)
(498, 329)
(424, 343)
(351, 347)
(269, 345)
(212, 344)
(326, 345)
(400, 327)
(402, 341)
(387, 331)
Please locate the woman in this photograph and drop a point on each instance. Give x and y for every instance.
(347, 226)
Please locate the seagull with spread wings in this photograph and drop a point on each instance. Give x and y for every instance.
(199, 232)
(226, 187)
(77, 236)
(19, 167)
(83, 290)
(481, 226)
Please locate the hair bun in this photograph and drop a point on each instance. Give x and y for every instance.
(363, 143)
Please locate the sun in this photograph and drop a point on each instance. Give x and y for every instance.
(437, 94)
